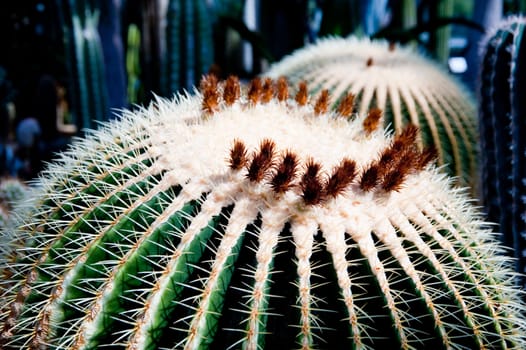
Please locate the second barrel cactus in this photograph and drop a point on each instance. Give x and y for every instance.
(245, 218)
(407, 86)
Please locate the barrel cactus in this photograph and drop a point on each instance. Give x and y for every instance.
(502, 123)
(407, 86)
(247, 218)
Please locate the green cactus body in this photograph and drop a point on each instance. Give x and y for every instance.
(247, 219)
(503, 126)
(189, 47)
(408, 87)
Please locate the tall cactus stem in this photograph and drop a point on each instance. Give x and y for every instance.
(502, 129)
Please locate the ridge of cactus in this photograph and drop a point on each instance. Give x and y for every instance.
(407, 86)
(250, 217)
(502, 129)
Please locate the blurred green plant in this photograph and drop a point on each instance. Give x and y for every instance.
(79, 20)
(133, 65)
(189, 47)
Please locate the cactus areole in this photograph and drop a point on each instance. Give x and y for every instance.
(242, 217)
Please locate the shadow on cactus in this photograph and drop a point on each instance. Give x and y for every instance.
(242, 217)
(409, 88)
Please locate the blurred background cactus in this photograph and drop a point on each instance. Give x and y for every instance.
(7, 126)
(502, 115)
(84, 56)
(133, 66)
(189, 46)
(252, 218)
(409, 87)
(12, 191)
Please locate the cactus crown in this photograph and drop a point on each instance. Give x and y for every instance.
(244, 218)
(396, 161)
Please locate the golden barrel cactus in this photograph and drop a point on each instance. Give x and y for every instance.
(247, 218)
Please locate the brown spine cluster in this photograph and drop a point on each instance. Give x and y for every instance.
(282, 89)
(262, 91)
(268, 90)
(302, 96)
(231, 90)
(311, 184)
(238, 155)
(262, 161)
(396, 162)
(286, 172)
(210, 92)
(322, 103)
(341, 177)
(388, 173)
(346, 106)
(254, 91)
(373, 120)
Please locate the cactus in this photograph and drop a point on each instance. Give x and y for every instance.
(12, 191)
(502, 127)
(407, 86)
(189, 45)
(83, 50)
(240, 217)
